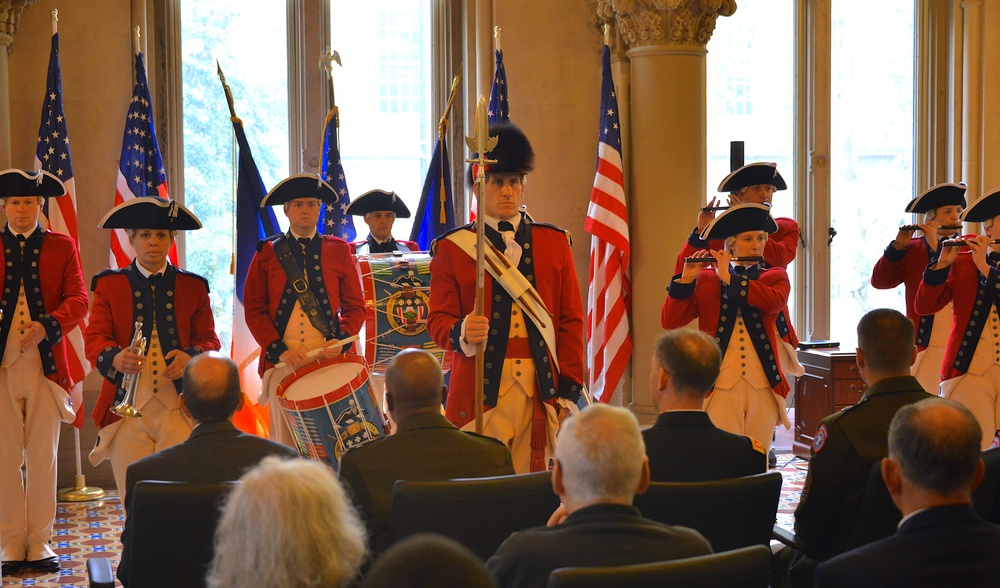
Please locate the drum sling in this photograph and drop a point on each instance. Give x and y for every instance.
(296, 277)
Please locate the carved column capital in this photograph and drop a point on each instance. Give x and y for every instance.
(10, 15)
(664, 22)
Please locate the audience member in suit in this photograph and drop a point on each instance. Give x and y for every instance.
(428, 559)
(850, 441)
(288, 523)
(932, 468)
(683, 445)
(600, 465)
(216, 451)
(426, 447)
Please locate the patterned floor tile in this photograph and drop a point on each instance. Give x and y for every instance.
(82, 530)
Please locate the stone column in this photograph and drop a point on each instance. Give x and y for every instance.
(666, 44)
(10, 14)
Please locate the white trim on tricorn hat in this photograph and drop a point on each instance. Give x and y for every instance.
(150, 212)
(946, 194)
(738, 219)
(753, 174)
(300, 186)
(378, 200)
(18, 182)
(983, 209)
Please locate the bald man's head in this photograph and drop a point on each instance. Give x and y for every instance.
(413, 383)
(211, 385)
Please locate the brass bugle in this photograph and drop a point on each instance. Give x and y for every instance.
(960, 242)
(126, 408)
(748, 258)
(917, 227)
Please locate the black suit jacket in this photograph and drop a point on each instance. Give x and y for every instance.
(425, 448)
(215, 452)
(942, 546)
(684, 446)
(598, 535)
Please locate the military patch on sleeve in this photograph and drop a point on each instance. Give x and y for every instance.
(757, 445)
(820, 439)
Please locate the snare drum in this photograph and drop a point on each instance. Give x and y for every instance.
(330, 407)
(397, 298)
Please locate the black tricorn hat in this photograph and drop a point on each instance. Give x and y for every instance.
(753, 174)
(150, 212)
(513, 152)
(741, 218)
(983, 209)
(946, 194)
(17, 182)
(300, 186)
(376, 200)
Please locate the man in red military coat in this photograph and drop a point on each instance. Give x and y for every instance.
(380, 210)
(277, 304)
(737, 303)
(904, 262)
(176, 319)
(534, 353)
(968, 278)
(44, 298)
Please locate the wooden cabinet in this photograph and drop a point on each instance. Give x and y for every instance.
(831, 383)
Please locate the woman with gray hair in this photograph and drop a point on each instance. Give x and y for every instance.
(287, 524)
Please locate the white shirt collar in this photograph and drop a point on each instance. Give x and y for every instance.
(26, 235)
(298, 236)
(492, 221)
(146, 273)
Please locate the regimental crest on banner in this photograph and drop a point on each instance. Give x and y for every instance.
(407, 308)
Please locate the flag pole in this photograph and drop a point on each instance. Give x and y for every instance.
(234, 159)
(442, 130)
(326, 59)
(135, 40)
(496, 35)
(480, 142)
(80, 492)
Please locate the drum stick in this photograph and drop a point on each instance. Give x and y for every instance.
(318, 350)
(747, 258)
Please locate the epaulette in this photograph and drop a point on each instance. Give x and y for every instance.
(435, 241)
(569, 237)
(107, 272)
(272, 238)
(334, 238)
(193, 275)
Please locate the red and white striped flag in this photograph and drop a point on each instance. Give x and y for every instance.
(52, 155)
(609, 345)
(140, 167)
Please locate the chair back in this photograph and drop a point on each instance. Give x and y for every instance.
(748, 567)
(173, 532)
(478, 513)
(986, 496)
(731, 514)
(878, 516)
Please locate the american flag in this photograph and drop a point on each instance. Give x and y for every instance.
(499, 109)
(334, 220)
(609, 345)
(140, 167)
(52, 155)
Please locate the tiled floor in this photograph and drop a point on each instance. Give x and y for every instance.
(90, 529)
(82, 530)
